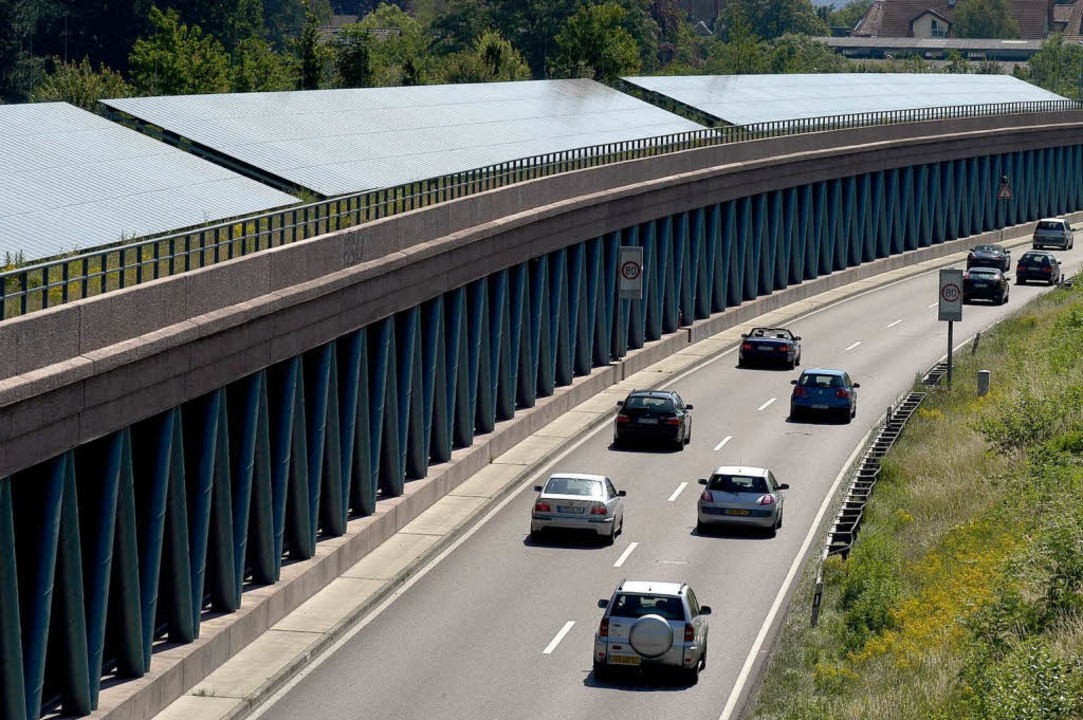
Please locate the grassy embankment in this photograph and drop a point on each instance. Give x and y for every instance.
(963, 597)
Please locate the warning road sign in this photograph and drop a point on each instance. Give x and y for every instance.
(1004, 192)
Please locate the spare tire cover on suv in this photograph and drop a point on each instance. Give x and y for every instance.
(651, 636)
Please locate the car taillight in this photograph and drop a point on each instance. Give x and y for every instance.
(766, 500)
(799, 391)
(842, 393)
(598, 509)
(746, 346)
(542, 507)
(1047, 270)
(603, 629)
(966, 276)
(622, 418)
(689, 633)
(970, 256)
(673, 421)
(706, 496)
(784, 348)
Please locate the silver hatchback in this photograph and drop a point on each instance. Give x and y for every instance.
(652, 624)
(738, 495)
(1053, 232)
(575, 501)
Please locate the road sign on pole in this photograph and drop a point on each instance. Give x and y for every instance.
(630, 269)
(951, 296)
(1005, 190)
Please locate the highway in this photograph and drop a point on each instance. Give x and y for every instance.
(502, 629)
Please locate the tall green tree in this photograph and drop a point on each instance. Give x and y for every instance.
(230, 21)
(769, 19)
(19, 68)
(492, 59)
(80, 84)
(984, 19)
(178, 59)
(312, 55)
(1056, 67)
(352, 57)
(256, 67)
(531, 26)
(103, 32)
(743, 52)
(399, 47)
(460, 25)
(283, 20)
(594, 43)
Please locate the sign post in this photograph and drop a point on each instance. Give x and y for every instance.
(950, 308)
(630, 269)
(1004, 194)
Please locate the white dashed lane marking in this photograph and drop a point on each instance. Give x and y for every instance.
(722, 443)
(678, 491)
(766, 404)
(624, 555)
(556, 640)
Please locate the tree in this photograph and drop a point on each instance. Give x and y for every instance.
(742, 54)
(81, 85)
(398, 47)
(459, 26)
(352, 57)
(231, 21)
(984, 19)
(593, 43)
(19, 69)
(102, 32)
(957, 64)
(802, 54)
(769, 19)
(257, 67)
(283, 20)
(492, 59)
(1056, 67)
(848, 15)
(531, 26)
(312, 55)
(178, 59)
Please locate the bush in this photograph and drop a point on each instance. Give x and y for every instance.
(1028, 683)
(870, 588)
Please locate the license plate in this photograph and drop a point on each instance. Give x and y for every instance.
(570, 510)
(1034, 267)
(735, 511)
(819, 407)
(648, 421)
(981, 284)
(767, 348)
(624, 660)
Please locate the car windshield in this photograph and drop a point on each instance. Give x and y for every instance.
(820, 380)
(770, 333)
(648, 402)
(573, 486)
(1050, 225)
(987, 249)
(738, 484)
(634, 605)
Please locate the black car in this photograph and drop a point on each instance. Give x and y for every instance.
(769, 346)
(985, 284)
(653, 415)
(994, 256)
(1037, 265)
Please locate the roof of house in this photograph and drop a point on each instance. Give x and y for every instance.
(893, 18)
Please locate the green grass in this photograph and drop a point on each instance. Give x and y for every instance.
(963, 597)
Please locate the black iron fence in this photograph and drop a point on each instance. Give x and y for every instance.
(45, 284)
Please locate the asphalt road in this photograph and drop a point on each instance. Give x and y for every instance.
(469, 639)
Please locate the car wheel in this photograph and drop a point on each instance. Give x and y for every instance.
(1004, 299)
(535, 536)
(701, 528)
(609, 539)
(795, 415)
(741, 363)
(772, 531)
(617, 442)
(601, 671)
(688, 435)
(691, 675)
(703, 657)
(847, 416)
(1020, 281)
(778, 525)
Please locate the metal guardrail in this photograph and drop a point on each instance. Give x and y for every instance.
(847, 523)
(45, 284)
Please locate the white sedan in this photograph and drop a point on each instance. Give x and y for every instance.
(574, 501)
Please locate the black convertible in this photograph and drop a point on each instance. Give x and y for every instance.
(769, 346)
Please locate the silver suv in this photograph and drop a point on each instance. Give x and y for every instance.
(1053, 232)
(652, 623)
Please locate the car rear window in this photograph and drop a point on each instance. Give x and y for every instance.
(987, 249)
(817, 380)
(738, 484)
(1035, 259)
(1050, 225)
(573, 486)
(634, 605)
(988, 272)
(646, 402)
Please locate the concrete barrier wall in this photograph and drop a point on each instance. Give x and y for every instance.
(77, 372)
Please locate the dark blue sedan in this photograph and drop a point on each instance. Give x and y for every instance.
(826, 392)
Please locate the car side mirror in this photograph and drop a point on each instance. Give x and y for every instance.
(783, 486)
(603, 603)
(857, 385)
(537, 488)
(620, 403)
(744, 335)
(622, 493)
(705, 610)
(703, 481)
(793, 382)
(796, 337)
(688, 407)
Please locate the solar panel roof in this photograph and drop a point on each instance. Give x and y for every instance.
(71, 180)
(341, 141)
(750, 99)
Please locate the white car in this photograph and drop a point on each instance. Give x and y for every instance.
(575, 501)
(650, 623)
(736, 495)
(1053, 232)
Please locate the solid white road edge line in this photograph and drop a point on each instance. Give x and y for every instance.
(895, 323)
(722, 443)
(852, 346)
(624, 555)
(556, 640)
(766, 405)
(678, 491)
(795, 566)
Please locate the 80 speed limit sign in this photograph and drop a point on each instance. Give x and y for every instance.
(951, 296)
(630, 269)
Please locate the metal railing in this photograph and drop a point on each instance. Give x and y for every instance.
(45, 284)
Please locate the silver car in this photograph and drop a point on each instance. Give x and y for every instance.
(652, 624)
(574, 501)
(1053, 232)
(738, 495)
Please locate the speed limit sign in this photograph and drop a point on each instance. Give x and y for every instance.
(630, 268)
(951, 296)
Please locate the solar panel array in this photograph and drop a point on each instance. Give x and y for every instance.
(750, 99)
(341, 141)
(72, 180)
